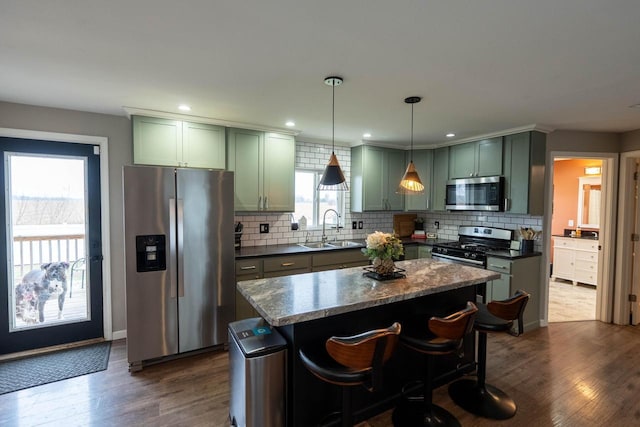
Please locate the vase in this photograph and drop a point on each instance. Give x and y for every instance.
(383, 266)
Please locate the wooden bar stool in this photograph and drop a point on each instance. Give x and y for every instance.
(443, 336)
(478, 397)
(352, 361)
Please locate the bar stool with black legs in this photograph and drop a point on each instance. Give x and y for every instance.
(478, 397)
(352, 361)
(443, 336)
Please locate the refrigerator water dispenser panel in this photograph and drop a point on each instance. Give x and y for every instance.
(151, 253)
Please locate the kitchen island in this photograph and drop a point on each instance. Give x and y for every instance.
(309, 308)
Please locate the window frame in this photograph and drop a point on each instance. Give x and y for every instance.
(315, 223)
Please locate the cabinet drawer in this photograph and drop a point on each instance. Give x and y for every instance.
(562, 242)
(281, 273)
(499, 264)
(586, 265)
(338, 257)
(586, 256)
(586, 277)
(249, 267)
(587, 245)
(286, 263)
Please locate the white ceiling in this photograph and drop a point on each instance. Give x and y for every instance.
(481, 66)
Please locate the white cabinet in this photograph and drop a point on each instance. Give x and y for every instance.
(575, 260)
(165, 142)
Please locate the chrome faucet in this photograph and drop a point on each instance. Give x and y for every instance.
(324, 221)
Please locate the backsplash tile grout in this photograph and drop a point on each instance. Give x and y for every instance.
(314, 156)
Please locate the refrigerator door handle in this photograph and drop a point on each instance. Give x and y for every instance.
(172, 247)
(180, 224)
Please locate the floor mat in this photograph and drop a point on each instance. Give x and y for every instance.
(50, 367)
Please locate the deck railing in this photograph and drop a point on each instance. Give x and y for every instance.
(29, 252)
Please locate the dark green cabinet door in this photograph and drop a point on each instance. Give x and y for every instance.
(489, 157)
(423, 161)
(440, 177)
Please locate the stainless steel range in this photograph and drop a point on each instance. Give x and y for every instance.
(473, 244)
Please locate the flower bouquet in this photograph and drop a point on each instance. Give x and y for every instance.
(382, 249)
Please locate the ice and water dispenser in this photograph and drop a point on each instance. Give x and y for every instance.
(257, 365)
(151, 253)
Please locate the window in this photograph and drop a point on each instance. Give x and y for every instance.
(312, 203)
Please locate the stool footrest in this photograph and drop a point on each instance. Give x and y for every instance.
(412, 414)
(487, 401)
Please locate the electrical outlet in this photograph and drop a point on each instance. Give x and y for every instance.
(360, 225)
(264, 228)
(437, 224)
(570, 223)
(354, 225)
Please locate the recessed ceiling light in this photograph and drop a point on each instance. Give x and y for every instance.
(451, 135)
(184, 107)
(290, 123)
(366, 135)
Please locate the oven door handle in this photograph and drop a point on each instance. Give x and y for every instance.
(460, 260)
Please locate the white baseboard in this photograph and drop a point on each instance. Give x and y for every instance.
(119, 335)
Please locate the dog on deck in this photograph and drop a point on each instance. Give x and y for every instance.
(37, 287)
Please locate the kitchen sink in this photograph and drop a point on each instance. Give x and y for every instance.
(344, 244)
(335, 244)
(314, 245)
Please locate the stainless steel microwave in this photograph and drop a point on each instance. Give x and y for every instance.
(475, 194)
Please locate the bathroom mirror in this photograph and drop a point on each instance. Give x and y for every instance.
(589, 191)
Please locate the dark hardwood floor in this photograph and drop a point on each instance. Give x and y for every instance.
(569, 374)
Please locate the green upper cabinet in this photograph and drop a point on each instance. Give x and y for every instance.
(375, 175)
(166, 142)
(279, 172)
(203, 146)
(423, 161)
(479, 158)
(524, 164)
(264, 166)
(440, 177)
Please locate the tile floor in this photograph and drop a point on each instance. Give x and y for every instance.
(568, 303)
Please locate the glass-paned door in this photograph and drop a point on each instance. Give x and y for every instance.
(51, 244)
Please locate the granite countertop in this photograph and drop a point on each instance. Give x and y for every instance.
(289, 249)
(292, 299)
(427, 242)
(582, 237)
(509, 254)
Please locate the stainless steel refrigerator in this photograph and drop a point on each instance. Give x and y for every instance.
(179, 256)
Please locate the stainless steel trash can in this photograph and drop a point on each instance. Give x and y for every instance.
(257, 374)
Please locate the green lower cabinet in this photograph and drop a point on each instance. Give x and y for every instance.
(410, 251)
(424, 251)
(515, 274)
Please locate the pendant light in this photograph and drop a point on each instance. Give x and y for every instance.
(410, 183)
(333, 178)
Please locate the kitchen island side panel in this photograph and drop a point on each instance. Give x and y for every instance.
(310, 399)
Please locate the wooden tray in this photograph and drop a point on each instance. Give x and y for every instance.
(403, 224)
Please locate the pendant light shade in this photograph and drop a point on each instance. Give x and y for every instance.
(333, 178)
(410, 183)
